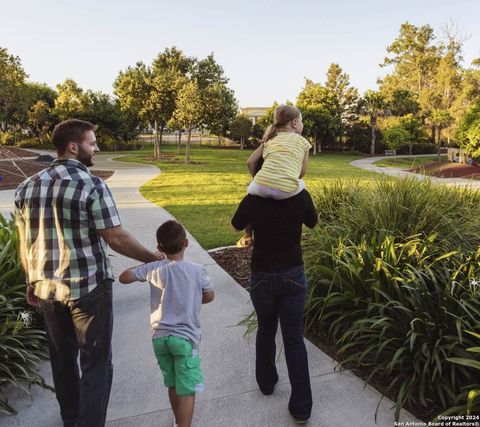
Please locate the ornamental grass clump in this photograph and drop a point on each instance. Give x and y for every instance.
(393, 269)
(22, 342)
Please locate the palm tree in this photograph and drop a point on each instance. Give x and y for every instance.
(439, 119)
(373, 104)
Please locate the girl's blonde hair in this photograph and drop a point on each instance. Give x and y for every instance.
(283, 115)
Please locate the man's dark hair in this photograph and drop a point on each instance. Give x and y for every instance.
(170, 237)
(71, 130)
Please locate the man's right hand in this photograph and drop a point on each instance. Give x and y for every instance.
(31, 298)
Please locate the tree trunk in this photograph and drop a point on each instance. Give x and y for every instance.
(156, 151)
(438, 132)
(241, 143)
(372, 124)
(179, 141)
(187, 151)
(314, 147)
(410, 149)
(161, 137)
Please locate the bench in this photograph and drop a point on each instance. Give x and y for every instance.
(390, 153)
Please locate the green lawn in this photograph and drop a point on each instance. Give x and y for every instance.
(406, 162)
(204, 196)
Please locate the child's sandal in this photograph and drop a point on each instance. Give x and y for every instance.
(245, 242)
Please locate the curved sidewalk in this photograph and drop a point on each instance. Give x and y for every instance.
(368, 164)
(231, 396)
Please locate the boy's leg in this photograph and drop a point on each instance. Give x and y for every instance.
(188, 378)
(166, 362)
(172, 396)
(182, 407)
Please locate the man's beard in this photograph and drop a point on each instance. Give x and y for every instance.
(86, 159)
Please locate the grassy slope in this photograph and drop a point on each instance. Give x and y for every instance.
(405, 162)
(204, 196)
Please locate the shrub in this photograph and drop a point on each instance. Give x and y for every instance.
(471, 393)
(21, 340)
(391, 266)
(419, 148)
(34, 143)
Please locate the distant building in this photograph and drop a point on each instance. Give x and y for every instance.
(254, 113)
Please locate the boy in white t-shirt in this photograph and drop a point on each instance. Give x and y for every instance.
(178, 288)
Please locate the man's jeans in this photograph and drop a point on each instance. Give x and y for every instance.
(83, 325)
(281, 295)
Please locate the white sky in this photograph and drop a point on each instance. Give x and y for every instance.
(266, 48)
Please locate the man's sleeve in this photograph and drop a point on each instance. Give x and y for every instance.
(241, 218)
(311, 216)
(103, 210)
(207, 284)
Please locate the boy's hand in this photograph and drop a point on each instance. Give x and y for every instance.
(127, 277)
(160, 255)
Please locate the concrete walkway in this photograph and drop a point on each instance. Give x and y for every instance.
(231, 397)
(368, 164)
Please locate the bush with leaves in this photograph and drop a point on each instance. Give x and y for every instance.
(22, 342)
(392, 267)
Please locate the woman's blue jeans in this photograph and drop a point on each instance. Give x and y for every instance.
(281, 295)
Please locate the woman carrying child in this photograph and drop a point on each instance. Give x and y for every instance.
(278, 286)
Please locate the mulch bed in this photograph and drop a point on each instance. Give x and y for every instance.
(8, 152)
(11, 177)
(236, 262)
(448, 170)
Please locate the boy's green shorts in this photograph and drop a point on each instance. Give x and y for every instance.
(180, 364)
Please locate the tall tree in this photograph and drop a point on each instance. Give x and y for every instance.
(170, 71)
(188, 113)
(70, 102)
(414, 57)
(220, 108)
(241, 129)
(132, 90)
(40, 92)
(220, 105)
(373, 104)
(13, 103)
(319, 125)
(320, 107)
(40, 119)
(346, 98)
(439, 119)
(105, 112)
(208, 72)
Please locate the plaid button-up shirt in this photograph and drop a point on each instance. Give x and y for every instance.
(60, 210)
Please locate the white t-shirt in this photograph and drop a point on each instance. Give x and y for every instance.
(176, 289)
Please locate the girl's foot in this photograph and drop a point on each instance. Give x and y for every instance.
(245, 242)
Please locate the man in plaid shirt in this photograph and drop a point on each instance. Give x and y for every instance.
(66, 217)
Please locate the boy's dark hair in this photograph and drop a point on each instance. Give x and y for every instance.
(170, 237)
(71, 130)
